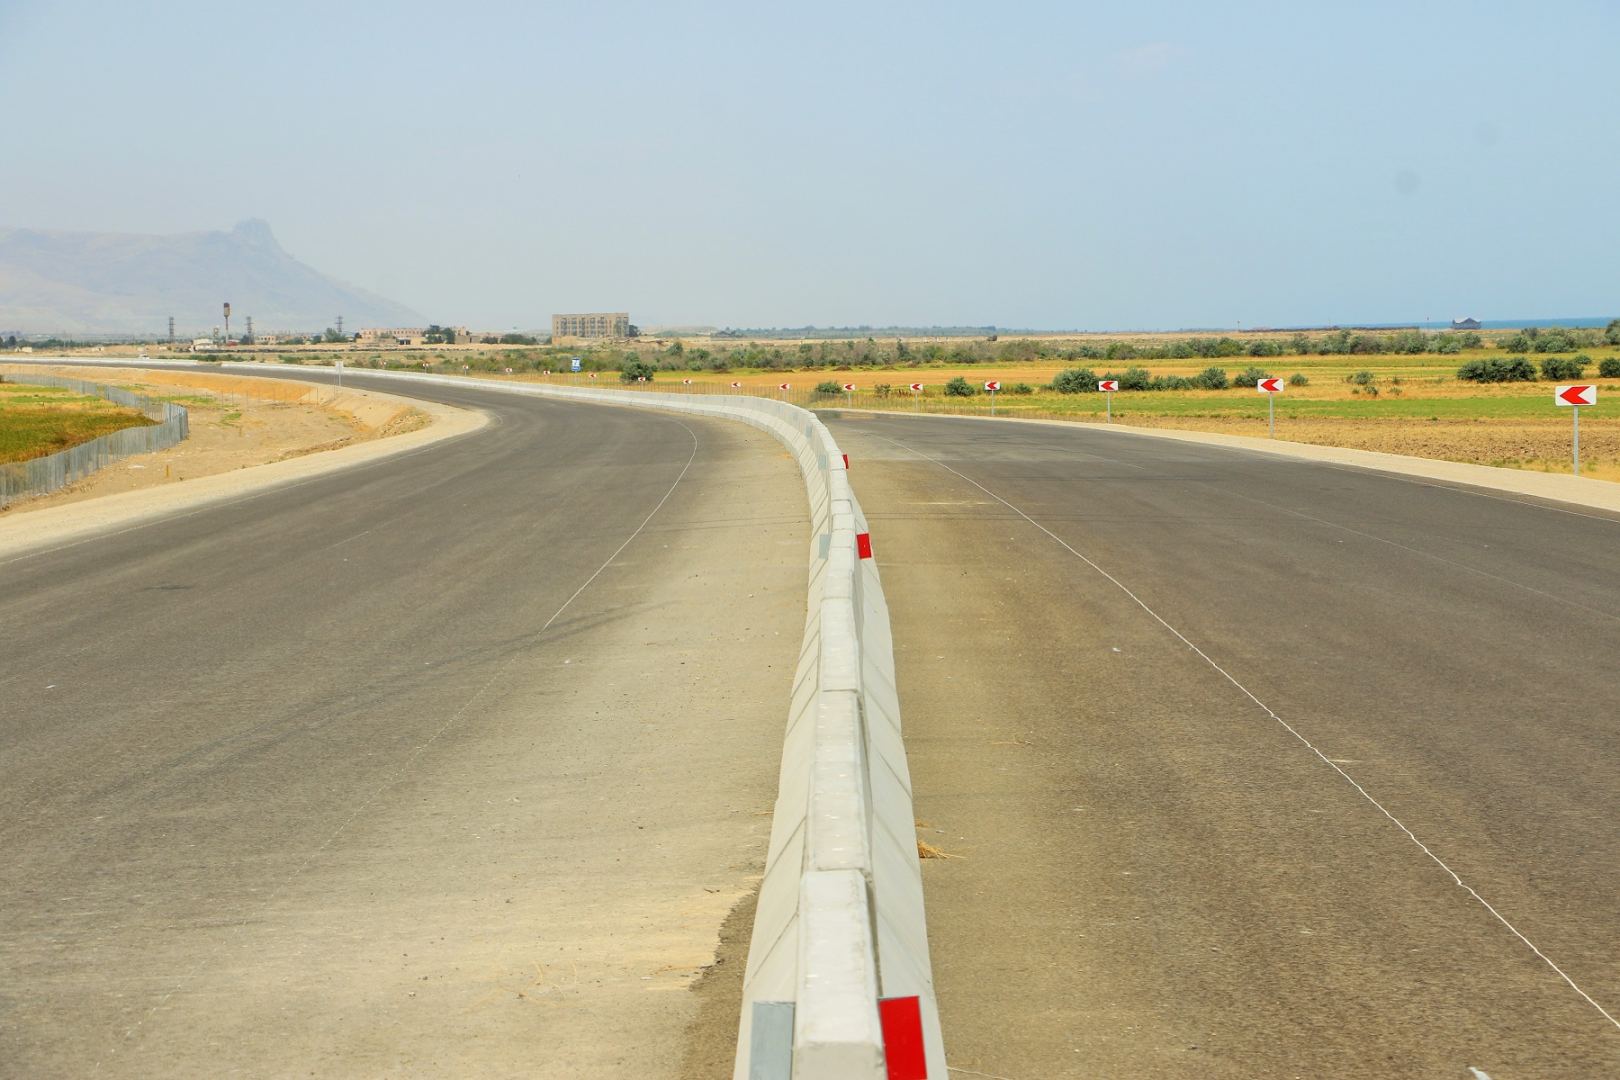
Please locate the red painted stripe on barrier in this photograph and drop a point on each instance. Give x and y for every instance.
(903, 1038)
(846, 461)
(863, 545)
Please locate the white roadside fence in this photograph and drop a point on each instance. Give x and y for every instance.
(838, 984)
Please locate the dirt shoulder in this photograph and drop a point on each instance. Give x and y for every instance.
(236, 423)
(289, 432)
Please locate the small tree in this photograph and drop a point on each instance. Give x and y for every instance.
(959, 387)
(1610, 367)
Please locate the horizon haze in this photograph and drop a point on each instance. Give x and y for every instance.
(1041, 166)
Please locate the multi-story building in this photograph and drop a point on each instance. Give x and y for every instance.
(405, 335)
(609, 324)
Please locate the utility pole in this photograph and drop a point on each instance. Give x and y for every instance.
(171, 329)
(250, 328)
(340, 326)
(227, 322)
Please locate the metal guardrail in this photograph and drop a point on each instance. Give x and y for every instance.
(41, 475)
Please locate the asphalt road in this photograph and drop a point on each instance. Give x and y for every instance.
(449, 764)
(1213, 731)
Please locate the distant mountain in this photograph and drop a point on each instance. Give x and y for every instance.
(116, 283)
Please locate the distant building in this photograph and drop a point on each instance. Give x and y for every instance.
(1467, 322)
(391, 335)
(610, 324)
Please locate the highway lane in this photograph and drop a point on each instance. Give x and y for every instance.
(445, 765)
(1212, 732)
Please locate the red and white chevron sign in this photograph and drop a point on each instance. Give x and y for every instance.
(686, 382)
(1107, 386)
(784, 386)
(736, 386)
(1575, 395)
(849, 388)
(916, 388)
(993, 385)
(1269, 386)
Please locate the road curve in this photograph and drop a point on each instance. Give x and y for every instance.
(1256, 767)
(449, 764)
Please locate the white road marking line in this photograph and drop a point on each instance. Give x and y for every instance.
(417, 752)
(1486, 904)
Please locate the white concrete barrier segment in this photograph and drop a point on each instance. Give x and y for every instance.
(840, 921)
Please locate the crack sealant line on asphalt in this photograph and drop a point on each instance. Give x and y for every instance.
(1365, 794)
(416, 753)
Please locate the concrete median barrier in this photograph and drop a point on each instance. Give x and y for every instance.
(839, 925)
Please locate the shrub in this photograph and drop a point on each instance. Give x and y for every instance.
(829, 387)
(1020, 388)
(960, 387)
(1212, 378)
(1171, 382)
(883, 389)
(1250, 375)
(1075, 381)
(632, 370)
(1564, 367)
(1554, 341)
(1361, 378)
(1497, 369)
(1135, 378)
(1299, 378)
(1610, 367)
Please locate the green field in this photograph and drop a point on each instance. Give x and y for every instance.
(40, 420)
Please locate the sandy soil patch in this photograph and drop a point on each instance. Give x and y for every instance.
(236, 423)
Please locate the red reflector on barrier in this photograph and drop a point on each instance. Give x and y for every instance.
(863, 545)
(903, 1038)
(846, 461)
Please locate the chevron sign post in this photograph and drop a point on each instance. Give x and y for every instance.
(1108, 386)
(849, 393)
(1270, 387)
(1574, 397)
(992, 386)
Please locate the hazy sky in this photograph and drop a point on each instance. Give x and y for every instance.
(1061, 165)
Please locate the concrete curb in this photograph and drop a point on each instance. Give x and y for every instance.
(1556, 487)
(21, 533)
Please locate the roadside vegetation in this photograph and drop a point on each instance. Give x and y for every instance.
(40, 420)
(1481, 396)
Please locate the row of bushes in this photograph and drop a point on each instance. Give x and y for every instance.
(1502, 369)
